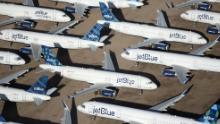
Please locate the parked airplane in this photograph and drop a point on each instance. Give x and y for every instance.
(202, 3)
(34, 39)
(36, 93)
(101, 79)
(204, 17)
(26, 12)
(10, 58)
(127, 114)
(181, 63)
(156, 34)
(80, 6)
(138, 116)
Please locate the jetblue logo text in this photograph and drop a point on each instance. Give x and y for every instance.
(177, 35)
(125, 80)
(205, 17)
(103, 111)
(19, 36)
(147, 57)
(42, 14)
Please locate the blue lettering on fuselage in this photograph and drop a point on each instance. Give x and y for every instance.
(147, 57)
(177, 35)
(205, 17)
(125, 80)
(19, 36)
(103, 111)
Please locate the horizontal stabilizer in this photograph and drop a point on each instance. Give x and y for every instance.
(12, 76)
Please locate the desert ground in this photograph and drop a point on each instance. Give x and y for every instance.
(204, 93)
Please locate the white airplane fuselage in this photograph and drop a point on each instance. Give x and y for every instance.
(95, 3)
(18, 95)
(34, 13)
(208, 17)
(155, 32)
(100, 76)
(49, 40)
(128, 115)
(9, 58)
(169, 59)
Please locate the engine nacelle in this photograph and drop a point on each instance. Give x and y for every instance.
(108, 92)
(70, 9)
(161, 46)
(204, 6)
(26, 50)
(26, 24)
(168, 72)
(212, 30)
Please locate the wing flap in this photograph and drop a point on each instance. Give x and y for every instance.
(91, 89)
(28, 3)
(181, 73)
(60, 29)
(161, 21)
(167, 103)
(108, 63)
(12, 76)
(200, 51)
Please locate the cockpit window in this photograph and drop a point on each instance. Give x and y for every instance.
(64, 15)
(1, 33)
(200, 37)
(18, 58)
(126, 52)
(186, 13)
(83, 106)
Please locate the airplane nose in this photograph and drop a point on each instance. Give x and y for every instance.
(153, 86)
(203, 41)
(22, 62)
(67, 19)
(80, 108)
(183, 15)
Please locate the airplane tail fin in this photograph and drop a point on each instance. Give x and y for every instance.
(106, 13)
(211, 116)
(49, 57)
(40, 86)
(94, 34)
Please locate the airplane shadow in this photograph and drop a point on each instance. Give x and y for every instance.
(10, 112)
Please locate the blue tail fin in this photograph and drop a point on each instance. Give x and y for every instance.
(106, 13)
(211, 116)
(2, 119)
(94, 34)
(49, 57)
(40, 86)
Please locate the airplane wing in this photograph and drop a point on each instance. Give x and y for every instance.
(92, 88)
(36, 51)
(188, 3)
(200, 51)
(67, 116)
(181, 73)
(80, 8)
(12, 76)
(147, 42)
(60, 29)
(11, 20)
(167, 103)
(28, 3)
(133, 122)
(161, 21)
(107, 63)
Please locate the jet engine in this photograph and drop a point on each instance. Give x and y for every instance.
(169, 72)
(70, 9)
(212, 30)
(109, 92)
(26, 24)
(204, 6)
(26, 50)
(161, 46)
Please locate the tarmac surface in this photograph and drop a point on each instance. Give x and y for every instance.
(204, 93)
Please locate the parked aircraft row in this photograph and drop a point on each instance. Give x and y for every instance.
(108, 77)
